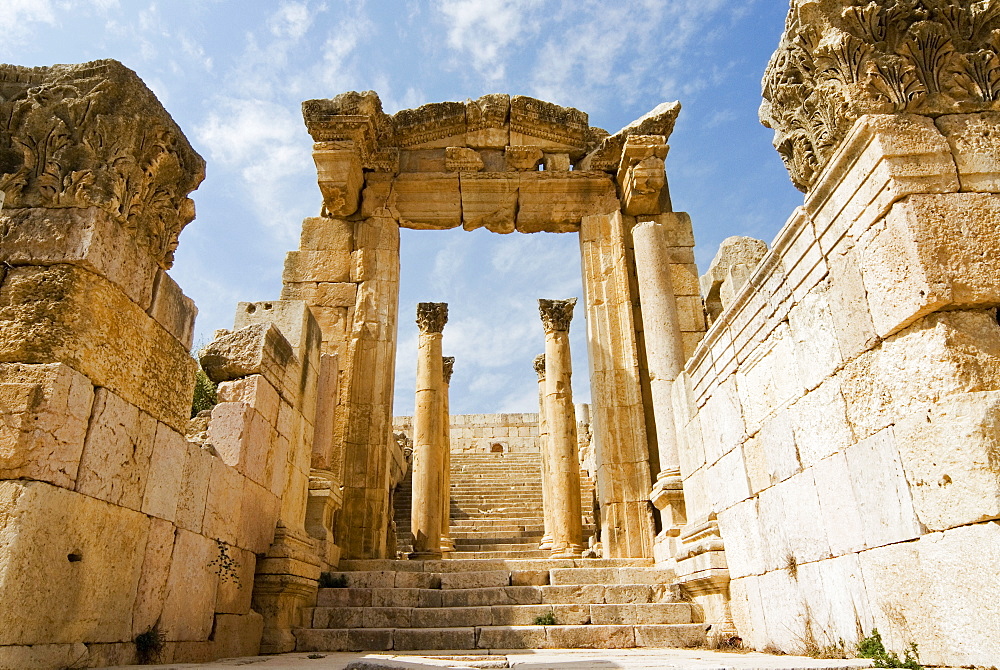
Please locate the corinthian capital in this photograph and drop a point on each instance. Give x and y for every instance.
(448, 365)
(431, 316)
(556, 314)
(540, 366)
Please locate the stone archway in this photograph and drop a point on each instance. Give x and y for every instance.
(506, 164)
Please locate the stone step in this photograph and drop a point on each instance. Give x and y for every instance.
(499, 615)
(455, 565)
(500, 637)
(570, 594)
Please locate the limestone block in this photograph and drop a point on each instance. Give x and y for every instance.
(788, 523)
(173, 310)
(885, 504)
(88, 238)
(166, 473)
(255, 392)
(813, 329)
(255, 349)
(725, 430)
(557, 202)
(929, 253)
(777, 441)
(748, 613)
(235, 574)
(191, 588)
(242, 437)
(819, 423)
(258, 515)
(489, 200)
(658, 637)
(509, 637)
(727, 480)
(376, 194)
(462, 159)
(951, 458)
(841, 514)
(522, 157)
(80, 556)
(740, 529)
(838, 598)
(849, 303)
(152, 589)
(937, 592)
(973, 144)
(428, 200)
(589, 637)
(66, 314)
(194, 488)
(318, 266)
(642, 186)
(338, 169)
(783, 610)
(237, 636)
(43, 656)
(320, 233)
(942, 354)
(116, 455)
(44, 412)
(322, 294)
(225, 492)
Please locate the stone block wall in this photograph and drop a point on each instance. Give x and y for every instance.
(838, 422)
(485, 433)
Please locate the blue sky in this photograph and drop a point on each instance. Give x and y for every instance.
(233, 74)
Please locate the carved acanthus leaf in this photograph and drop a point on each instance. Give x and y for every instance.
(539, 365)
(836, 63)
(556, 314)
(432, 316)
(93, 135)
(448, 367)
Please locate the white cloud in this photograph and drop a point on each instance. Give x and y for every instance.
(21, 18)
(291, 21)
(265, 144)
(483, 29)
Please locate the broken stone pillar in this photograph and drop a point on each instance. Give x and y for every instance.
(564, 458)
(447, 544)
(664, 360)
(543, 448)
(428, 434)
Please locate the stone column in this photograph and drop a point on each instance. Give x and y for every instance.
(543, 447)
(447, 544)
(425, 516)
(560, 416)
(664, 359)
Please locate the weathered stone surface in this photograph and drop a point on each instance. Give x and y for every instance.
(490, 201)
(428, 201)
(338, 169)
(194, 487)
(951, 458)
(116, 455)
(90, 238)
(65, 548)
(318, 266)
(65, 314)
(44, 413)
(191, 588)
(117, 150)
(173, 310)
(556, 203)
(255, 349)
(152, 588)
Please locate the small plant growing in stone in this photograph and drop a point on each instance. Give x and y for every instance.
(547, 619)
(327, 580)
(205, 393)
(225, 565)
(872, 647)
(149, 645)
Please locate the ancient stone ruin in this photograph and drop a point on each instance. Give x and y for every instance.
(794, 449)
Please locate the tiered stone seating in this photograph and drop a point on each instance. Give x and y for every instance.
(496, 506)
(497, 604)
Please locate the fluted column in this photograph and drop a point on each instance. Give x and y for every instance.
(447, 544)
(560, 416)
(543, 447)
(428, 456)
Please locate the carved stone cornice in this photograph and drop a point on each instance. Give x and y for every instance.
(556, 314)
(548, 121)
(540, 366)
(841, 59)
(448, 366)
(93, 135)
(432, 316)
(491, 111)
(349, 117)
(658, 122)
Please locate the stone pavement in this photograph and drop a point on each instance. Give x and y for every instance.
(547, 659)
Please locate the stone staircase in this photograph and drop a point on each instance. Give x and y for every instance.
(464, 604)
(497, 590)
(496, 506)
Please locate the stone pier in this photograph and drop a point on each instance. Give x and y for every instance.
(543, 438)
(563, 459)
(428, 433)
(665, 360)
(448, 367)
